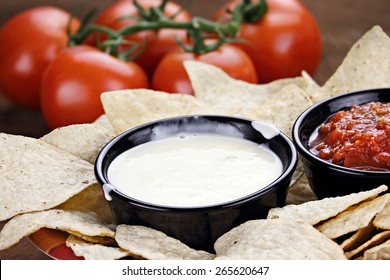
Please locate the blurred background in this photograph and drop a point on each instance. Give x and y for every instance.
(342, 23)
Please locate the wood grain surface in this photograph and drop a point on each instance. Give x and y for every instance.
(342, 22)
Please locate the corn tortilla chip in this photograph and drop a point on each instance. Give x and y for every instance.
(279, 102)
(92, 251)
(128, 108)
(382, 219)
(380, 252)
(276, 240)
(215, 87)
(90, 200)
(300, 192)
(103, 240)
(82, 140)
(105, 123)
(374, 241)
(315, 92)
(313, 212)
(155, 245)
(282, 109)
(38, 176)
(358, 238)
(367, 65)
(353, 219)
(84, 223)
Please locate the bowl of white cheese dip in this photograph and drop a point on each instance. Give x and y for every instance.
(196, 177)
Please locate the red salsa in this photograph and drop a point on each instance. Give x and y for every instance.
(358, 138)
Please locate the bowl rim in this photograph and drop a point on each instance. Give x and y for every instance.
(303, 151)
(104, 182)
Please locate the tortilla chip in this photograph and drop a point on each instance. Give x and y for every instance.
(279, 102)
(105, 123)
(38, 176)
(276, 240)
(315, 92)
(90, 200)
(374, 241)
(382, 219)
(313, 212)
(129, 108)
(103, 240)
(92, 251)
(82, 140)
(358, 238)
(367, 65)
(281, 110)
(70, 221)
(380, 252)
(215, 87)
(353, 219)
(300, 192)
(155, 245)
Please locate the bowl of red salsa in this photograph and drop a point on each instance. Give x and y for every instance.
(344, 142)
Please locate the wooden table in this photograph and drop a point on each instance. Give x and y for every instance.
(342, 23)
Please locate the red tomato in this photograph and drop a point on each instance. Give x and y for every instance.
(284, 42)
(72, 84)
(170, 75)
(158, 42)
(29, 41)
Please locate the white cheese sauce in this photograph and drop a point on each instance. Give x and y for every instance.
(194, 170)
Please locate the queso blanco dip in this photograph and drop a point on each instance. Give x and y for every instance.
(194, 170)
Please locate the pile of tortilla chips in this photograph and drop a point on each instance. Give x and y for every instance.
(359, 222)
(50, 183)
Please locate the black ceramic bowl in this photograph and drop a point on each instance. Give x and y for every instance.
(198, 227)
(327, 179)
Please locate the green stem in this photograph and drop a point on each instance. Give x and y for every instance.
(154, 19)
(79, 37)
(196, 23)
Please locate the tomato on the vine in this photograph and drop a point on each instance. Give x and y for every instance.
(284, 42)
(72, 84)
(171, 76)
(29, 41)
(156, 43)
